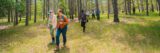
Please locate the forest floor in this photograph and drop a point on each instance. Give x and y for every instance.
(134, 34)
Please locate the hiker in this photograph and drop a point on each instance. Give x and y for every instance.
(62, 22)
(98, 14)
(83, 20)
(52, 24)
(93, 14)
(102, 11)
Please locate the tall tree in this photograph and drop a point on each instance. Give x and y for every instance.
(115, 9)
(108, 8)
(35, 11)
(78, 5)
(70, 8)
(11, 15)
(16, 13)
(147, 7)
(97, 10)
(129, 6)
(30, 10)
(138, 5)
(48, 6)
(27, 11)
(142, 5)
(159, 6)
(126, 7)
(8, 16)
(152, 7)
(134, 8)
(44, 9)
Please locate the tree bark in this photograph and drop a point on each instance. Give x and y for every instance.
(134, 8)
(138, 5)
(44, 9)
(97, 12)
(126, 7)
(9, 16)
(159, 6)
(108, 8)
(115, 8)
(142, 5)
(152, 7)
(30, 13)
(78, 5)
(20, 17)
(129, 7)
(16, 13)
(48, 7)
(147, 7)
(27, 11)
(35, 11)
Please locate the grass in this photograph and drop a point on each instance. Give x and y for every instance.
(134, 34)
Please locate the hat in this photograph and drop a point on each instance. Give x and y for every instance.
(50, 11)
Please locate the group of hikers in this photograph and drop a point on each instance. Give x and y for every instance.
(60, 22)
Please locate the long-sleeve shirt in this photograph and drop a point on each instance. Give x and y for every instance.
(52, 20)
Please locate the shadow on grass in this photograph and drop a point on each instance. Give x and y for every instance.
(51, 46)
(18, 34)
(134, 35)
(139, 36)
(63, 50)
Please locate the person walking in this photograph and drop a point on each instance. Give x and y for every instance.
(93, 14)
(52, 22)
(62, 22)
(83, 20)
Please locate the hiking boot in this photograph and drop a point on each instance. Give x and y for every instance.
(57, 48)
(53, 42)
(64, 45)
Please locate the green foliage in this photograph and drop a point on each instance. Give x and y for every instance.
(62, 4)
(21, 7)
(5, 5)
(134, 33)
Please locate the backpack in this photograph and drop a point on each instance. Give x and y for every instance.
(84, 18)
(63, 19)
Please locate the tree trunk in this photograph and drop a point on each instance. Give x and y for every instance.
(44, 10)
(97, 12)
(108, 8)
(129, 6)
(152, 7)
(138, 5)
(27, 11)
(16, 13)
(159, 6)
(20, 17)
(147, 7)
(9, 16)
(134, 8)
(48, 7)
(126, 7)
(35, 11)
(30, 9)
(78, 5)
(115, 8)
(142, 5)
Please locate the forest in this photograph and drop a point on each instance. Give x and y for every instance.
(119, 26)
